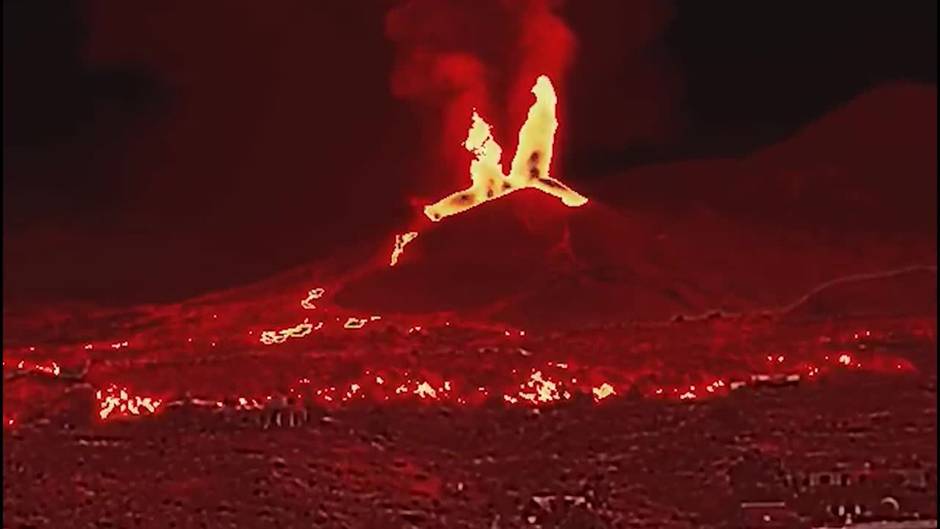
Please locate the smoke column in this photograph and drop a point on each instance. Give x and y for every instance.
(454, 56)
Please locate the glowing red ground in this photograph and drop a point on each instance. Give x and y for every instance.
(564, 391)
(216, 351)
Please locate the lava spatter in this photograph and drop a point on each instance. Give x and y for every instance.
(530, 166)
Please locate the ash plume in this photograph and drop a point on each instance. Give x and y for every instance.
(455, 56)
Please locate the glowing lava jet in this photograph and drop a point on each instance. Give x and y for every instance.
(529, 167)
(400, 242)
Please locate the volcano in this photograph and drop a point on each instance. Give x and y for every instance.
(598, 264)
(521, 321)
(526, 260)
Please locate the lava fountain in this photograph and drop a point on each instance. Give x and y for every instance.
(529, 167)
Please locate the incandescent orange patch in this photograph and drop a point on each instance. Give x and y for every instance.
(530, 166)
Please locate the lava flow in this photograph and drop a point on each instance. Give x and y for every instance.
(400, 242)
(529, 166)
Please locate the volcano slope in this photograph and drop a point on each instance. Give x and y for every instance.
(531, 262)
(524, 365)
(846, 195)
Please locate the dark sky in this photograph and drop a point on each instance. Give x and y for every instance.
(152, 152)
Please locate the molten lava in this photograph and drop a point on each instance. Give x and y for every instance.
(298, 331)
(529, 166)
(400, 242)
(117, 402)
(307, 302)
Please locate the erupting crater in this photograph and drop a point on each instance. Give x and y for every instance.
(529, 167)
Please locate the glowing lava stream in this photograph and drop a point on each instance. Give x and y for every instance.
(529, 166)
(400, 242)
(298, 331)
(536, 384)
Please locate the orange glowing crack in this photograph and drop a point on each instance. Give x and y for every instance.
(543, 390)
(529, 166)
(53, 369)
(313, 294)
(400, 242)
(118, 402)
(605, 390)
(425, 390)
(358, 323)
(298, 331)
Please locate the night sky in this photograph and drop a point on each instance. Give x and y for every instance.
(156, 152)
